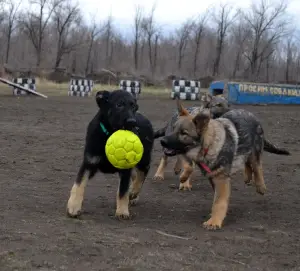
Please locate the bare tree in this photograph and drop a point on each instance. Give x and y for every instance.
(94, 31)
(268, 24)
(142, 45)
(108, 34)
(240, 33)
(138, 17)
(11, 24)
(224, 18)
(183, 35)
(3, 4)
(156, 46)
(291, 52)
(198, 33)
(35, 24)
(288, 59)
(254, 47)
(66, 17)
(265, 61)
(150, 28)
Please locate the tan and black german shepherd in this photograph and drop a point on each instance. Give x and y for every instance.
(221, 147)
(218, 106)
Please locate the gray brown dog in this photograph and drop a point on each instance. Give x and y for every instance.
(221, 147)
(218, 106)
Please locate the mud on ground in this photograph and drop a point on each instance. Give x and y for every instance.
(41, 149)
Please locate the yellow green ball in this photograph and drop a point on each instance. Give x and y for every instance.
(124, 149)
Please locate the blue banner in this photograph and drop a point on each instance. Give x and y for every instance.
(251, 93)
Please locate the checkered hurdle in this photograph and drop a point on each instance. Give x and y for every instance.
(134, 87)
(24, 82)
(185, 90)
(81, 87)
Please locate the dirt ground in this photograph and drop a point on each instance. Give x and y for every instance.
(41, 144)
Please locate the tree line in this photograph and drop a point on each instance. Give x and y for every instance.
(258, 44)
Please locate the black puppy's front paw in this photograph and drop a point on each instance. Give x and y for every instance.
(122, 214)
(74, 206)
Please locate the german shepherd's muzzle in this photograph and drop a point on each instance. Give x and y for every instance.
(174, 146)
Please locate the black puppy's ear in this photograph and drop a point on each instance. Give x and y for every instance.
(102, 97)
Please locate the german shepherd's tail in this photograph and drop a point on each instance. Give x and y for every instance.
(269, 147)
(159, 133)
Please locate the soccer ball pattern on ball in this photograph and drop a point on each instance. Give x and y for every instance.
(124, 149)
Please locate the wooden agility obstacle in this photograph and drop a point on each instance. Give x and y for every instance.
(7, 82)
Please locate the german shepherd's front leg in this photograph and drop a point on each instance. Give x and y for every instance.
(258, 176)
(122, 210)
(77, 192)
(178, 164)
(220, 204)
(248, 172)
(160, 173)
(185, 177)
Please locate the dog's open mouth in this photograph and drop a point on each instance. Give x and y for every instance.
(169, 152)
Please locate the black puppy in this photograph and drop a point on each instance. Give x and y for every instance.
(118, 110)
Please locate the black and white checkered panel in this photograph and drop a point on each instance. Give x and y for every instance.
(24, 82)
(185, 89)
(134, 87)
(81, 87)
(185, 96)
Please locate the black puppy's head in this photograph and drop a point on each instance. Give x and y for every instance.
(118, 108)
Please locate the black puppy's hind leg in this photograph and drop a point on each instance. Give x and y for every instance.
(122, 211)
(77, 192)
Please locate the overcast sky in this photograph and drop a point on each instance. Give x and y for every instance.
(169, 13)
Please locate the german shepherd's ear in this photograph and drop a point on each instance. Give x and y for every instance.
(209, 97)
(102, 97)
(181, 110)
(206, 100)
(201, 121)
